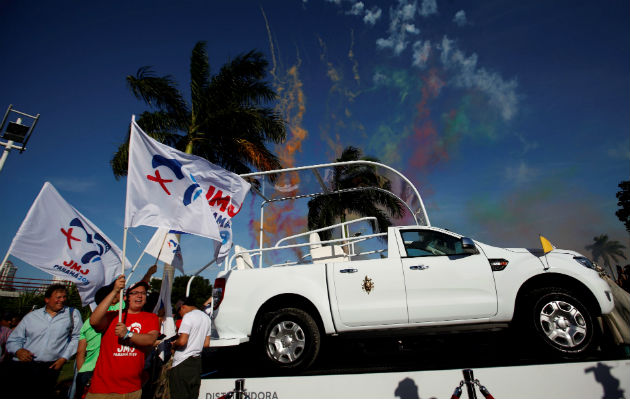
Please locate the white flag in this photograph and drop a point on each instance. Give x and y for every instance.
(165, 246)
(57, 239)
(164, 303)
(162, 191)
(225, 193)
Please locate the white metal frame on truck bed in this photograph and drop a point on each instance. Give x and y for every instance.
(403, 190)
(412, 201)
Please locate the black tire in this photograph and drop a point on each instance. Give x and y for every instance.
(561, 321)
(288, 339)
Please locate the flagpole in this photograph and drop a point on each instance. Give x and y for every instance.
(546, 261)
(135, 265)
(162, 246)
(545, 245)
(122, 268)
(6, 257)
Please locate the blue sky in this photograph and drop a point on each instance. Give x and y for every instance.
(512, 119)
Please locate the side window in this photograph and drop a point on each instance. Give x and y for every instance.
(430, 243)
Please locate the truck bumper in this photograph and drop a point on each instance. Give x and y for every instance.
(227, 340)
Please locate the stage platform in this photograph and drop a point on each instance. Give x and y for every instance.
(599, 379)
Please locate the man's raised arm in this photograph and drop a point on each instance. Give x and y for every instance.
(98, 318)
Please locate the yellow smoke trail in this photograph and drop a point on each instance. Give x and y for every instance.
(291, 104)
(342, 94)
(355, 63)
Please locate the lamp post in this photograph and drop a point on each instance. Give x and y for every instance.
(16, 132)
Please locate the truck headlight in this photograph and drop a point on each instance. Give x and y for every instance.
(585, 262)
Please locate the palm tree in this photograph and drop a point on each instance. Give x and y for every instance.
(328, 209)
(607, 250)
(225, 123)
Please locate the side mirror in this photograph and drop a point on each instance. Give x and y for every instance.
(468, 246)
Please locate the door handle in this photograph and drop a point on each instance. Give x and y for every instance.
(419, 267)
(348, 270)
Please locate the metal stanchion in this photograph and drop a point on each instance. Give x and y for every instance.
(469, 381)
(239, 389)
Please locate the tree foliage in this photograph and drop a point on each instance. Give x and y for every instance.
(329, 209)
(226, 121)
(30, 300)
(200, 290)
(624, 203)
(607, 250)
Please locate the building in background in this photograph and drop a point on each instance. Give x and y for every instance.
(7, 276)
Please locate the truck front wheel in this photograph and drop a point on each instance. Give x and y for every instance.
(289, 339)
(563, 322)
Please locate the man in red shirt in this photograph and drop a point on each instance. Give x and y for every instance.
(124, 344)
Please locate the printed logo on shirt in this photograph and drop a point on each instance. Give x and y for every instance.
(124, 350)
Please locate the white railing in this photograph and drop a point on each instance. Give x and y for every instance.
(258, 252)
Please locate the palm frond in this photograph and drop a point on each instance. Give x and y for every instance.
(158, 124)
(368, 202)
(322, 211)
(228, 123)
(240, 81)
(120, 160)
(199, 79)
(159, 92)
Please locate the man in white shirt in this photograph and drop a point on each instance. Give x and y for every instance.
(194, 334)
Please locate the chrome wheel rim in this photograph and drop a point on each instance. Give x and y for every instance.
(563, 324)
(286, 342)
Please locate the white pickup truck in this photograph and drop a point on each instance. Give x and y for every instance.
(422, 278)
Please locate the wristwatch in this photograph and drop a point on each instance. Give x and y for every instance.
(128, 335)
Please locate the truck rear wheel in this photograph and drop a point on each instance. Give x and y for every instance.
(562, 321)
(289, 339)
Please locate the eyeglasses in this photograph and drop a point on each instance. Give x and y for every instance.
(137, 293)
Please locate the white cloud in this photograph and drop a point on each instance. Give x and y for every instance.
(621, 152)
(371, 16)
(527, 145)
(407, 10)
(521, 173)
(465, 71)
(411, 28)
(401, 26)
(357, 8)
(428, 7)
(74, 185)
(421, 51)
(380, 78)
(460, 18)
(501, 93)
(446, 46)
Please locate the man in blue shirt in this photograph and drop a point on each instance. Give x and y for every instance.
(43, 341)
